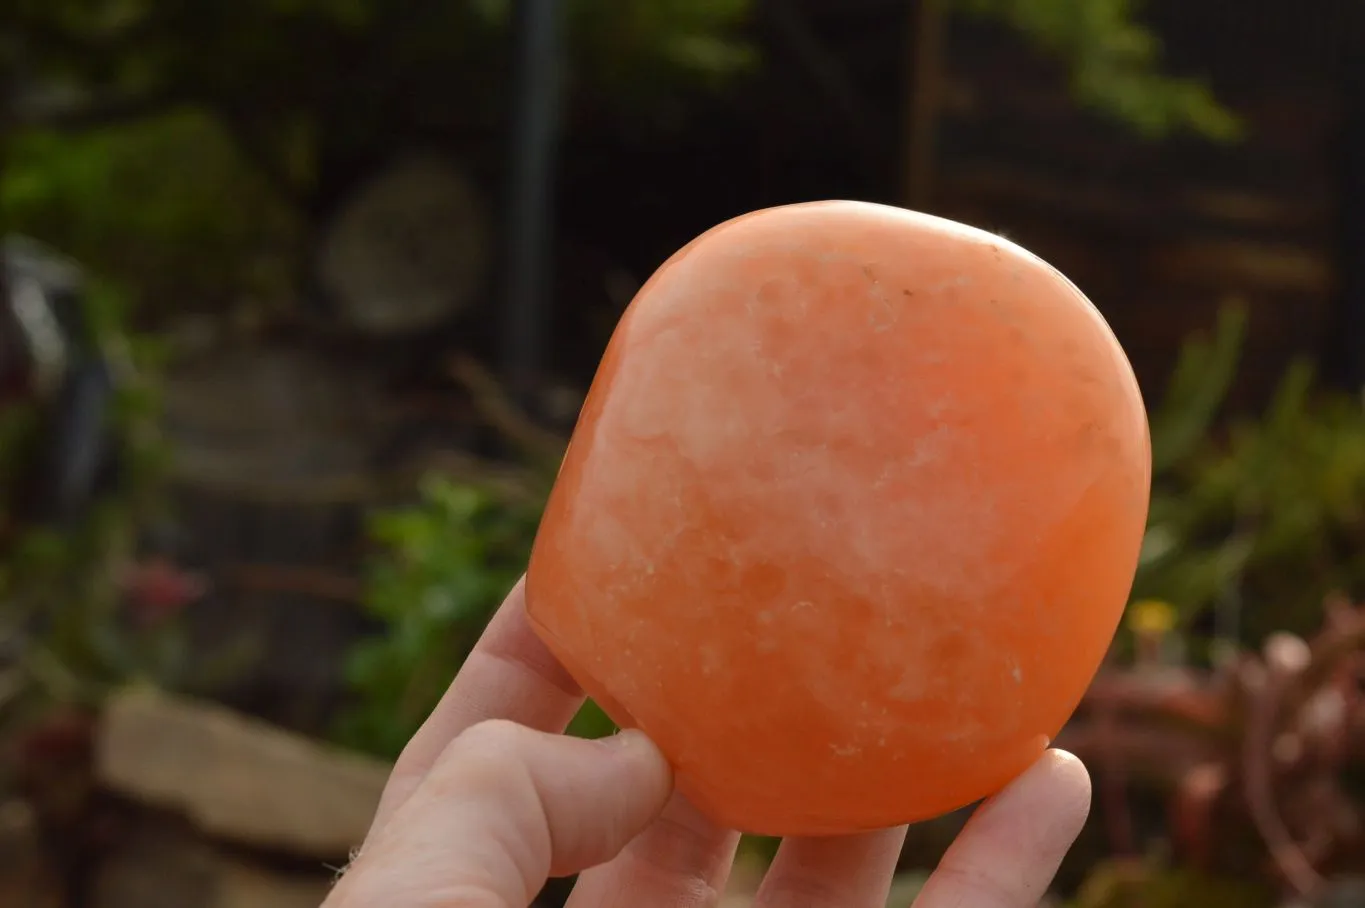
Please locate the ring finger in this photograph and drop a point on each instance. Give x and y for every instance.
(839, 872)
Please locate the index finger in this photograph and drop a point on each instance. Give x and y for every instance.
(510, 675)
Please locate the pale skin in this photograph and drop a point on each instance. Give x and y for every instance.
(490, 799)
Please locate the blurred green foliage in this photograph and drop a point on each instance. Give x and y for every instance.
(1265, 517)
(641, 50)
(182, 148)
(165, 205)
(228, 54)
(302, 85)
(65, 606)
(1203, 375)
(446, 563)
(1114, 63)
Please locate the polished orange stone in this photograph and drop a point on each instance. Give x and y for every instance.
(849, 517)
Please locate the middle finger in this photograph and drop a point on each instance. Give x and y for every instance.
(682, 860)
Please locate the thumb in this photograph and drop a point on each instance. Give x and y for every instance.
(502, 810)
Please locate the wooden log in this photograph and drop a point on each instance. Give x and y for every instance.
(235, 778)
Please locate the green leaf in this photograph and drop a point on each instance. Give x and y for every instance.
(1114, 63)
(1203, 375)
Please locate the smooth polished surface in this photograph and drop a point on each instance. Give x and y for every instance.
(849, 517)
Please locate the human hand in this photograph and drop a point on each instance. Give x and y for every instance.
(489, 799)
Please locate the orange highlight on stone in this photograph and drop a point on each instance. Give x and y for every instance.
(849, 518)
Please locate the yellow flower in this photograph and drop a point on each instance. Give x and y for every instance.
(1151, 617)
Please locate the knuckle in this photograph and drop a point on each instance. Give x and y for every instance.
(482, 756)
(492, 738)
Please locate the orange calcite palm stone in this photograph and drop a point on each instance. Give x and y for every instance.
(849, 517)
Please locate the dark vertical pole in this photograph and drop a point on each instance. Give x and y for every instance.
(11, 353)
(7, 91)
(535, 134)
(926, 36)
(1345, 361)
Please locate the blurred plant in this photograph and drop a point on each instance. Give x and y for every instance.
(1204, 373)
(1251, 527)
(643, 51)
(231, 57)
(80, 609)
(1261, 762)
(308, 88)
(446, 563)
(1114, 64)
(162, 207)
(185, 147)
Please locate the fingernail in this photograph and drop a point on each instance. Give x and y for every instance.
(626, 740)
(632, 750)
